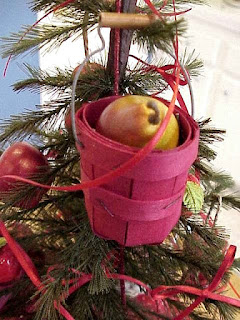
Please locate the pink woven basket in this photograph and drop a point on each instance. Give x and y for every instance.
(144, 204)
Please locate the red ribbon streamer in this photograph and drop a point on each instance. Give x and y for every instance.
(153, 9)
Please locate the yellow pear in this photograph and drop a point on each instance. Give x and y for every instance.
(133, 120)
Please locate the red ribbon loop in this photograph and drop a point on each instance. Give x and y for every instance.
(171, 79)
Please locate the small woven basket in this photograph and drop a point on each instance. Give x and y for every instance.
(144, 204)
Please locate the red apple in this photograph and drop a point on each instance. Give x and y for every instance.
(24, 160)
(88, 67)
(68, 117)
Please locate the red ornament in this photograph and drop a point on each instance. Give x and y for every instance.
(158, 306)
(10, 269)
(24, 160)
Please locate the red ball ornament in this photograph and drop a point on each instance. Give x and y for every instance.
(24, 160)
(10, 269)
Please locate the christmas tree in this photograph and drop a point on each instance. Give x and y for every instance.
(114, 227)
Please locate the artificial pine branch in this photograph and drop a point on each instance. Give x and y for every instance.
(192, 63)
(31, 123)
(50, 36)
(50, 81)
(159, 35)
(211, 178)
(231, 201)
(38, 37)
(98, 83)
(77, 6)
(208, 136)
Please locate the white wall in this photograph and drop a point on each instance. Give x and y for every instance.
(215, 33)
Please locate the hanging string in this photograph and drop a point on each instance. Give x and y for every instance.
(75, 80)
(85, 35)
(117, 43)
(117, 51)
(122, 271)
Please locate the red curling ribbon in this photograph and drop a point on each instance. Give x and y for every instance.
(165, 2)
(170, 78)
(161, 14)
(182, 82)
(28, 266)
(234, 289)
(61, 5)
(171, 14)
(153, 9)
(163, 292)
(174, 14)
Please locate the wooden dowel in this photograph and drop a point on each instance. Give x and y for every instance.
(126, 20)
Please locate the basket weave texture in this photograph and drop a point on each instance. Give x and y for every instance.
(144, 204)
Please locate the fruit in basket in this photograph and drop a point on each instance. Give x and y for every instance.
(134, 120)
